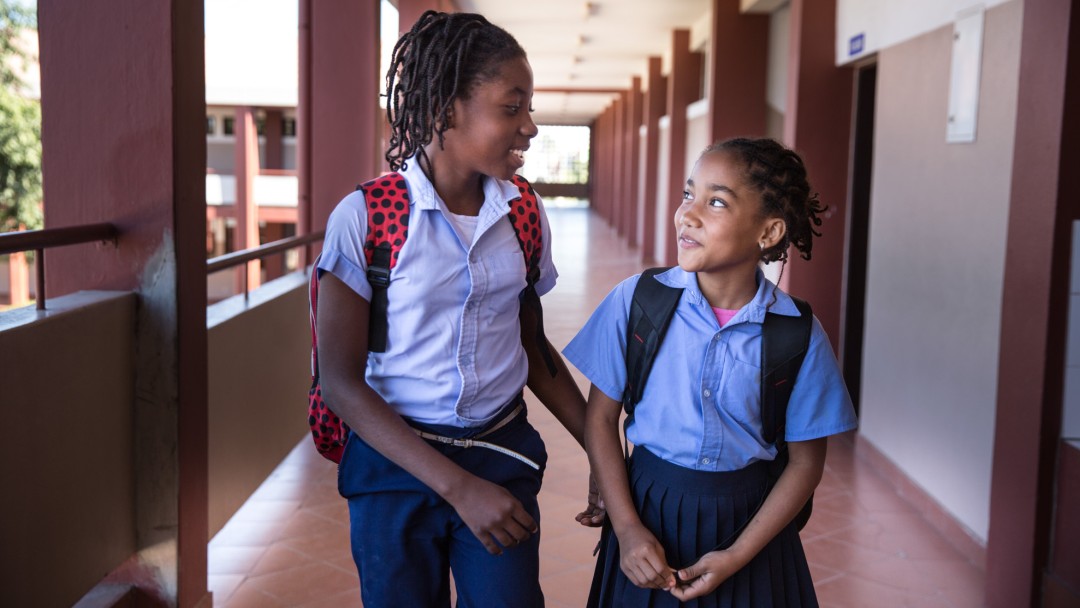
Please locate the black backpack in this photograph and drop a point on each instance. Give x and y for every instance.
(784, 341)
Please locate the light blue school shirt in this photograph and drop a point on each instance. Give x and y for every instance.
(701, 405)
(453, 352)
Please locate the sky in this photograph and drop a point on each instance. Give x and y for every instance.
(251, 50)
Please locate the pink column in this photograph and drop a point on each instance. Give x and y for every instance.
(817, 125)
(1034, 316)
(739, 47)
(654, 102)
(631, 161)
(18, 280)
(618, 164)
(339, 119)
(246, 153)
(681, 91)
(123, 141)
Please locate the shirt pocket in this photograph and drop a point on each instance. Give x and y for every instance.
(741, 395)
(505, 279)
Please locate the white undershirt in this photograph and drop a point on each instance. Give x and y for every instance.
(465, 225)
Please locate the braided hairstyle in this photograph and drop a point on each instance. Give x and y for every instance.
(439, 60)
(779, 175)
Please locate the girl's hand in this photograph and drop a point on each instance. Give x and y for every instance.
(494, 516)
(643, 561)
(595, 512)
(706, 575)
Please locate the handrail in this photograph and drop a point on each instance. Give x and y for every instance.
(40, 240)
(236, 258)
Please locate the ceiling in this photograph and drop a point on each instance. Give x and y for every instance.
(579, 45)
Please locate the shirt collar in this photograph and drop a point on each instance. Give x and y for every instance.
(423, 195)
(769, 298)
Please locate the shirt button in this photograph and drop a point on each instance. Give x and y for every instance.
(708, 393)
(705, 460)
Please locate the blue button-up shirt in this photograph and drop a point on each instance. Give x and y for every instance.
(701, 407)
(454, 354)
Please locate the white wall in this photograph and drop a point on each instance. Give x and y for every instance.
(935, 274)
(884, 23)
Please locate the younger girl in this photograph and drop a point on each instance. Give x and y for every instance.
(699, 469)
(456, 357)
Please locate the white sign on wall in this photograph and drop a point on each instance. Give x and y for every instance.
(964, 77)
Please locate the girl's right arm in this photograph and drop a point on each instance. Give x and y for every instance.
(642, 556)
(493, 515)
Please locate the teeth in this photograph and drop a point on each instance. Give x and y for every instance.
(519, 153)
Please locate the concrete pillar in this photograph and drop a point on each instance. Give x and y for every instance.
(654, 102)
(1035, 305)
(818, 125)
(137, 70)
(681, 91)
(246, 152)
(739, 49)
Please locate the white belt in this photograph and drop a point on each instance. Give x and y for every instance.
(474, 441)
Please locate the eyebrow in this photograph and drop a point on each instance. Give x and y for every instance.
(716, 188)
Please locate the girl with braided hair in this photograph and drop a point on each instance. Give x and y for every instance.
(699, 515)
(442, 468)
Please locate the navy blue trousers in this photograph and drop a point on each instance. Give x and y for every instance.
(406, 539)
(691, 512)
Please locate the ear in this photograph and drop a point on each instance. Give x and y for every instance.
(773, 232)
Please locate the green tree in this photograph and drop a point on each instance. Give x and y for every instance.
(20, 127)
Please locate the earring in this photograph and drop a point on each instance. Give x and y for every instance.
(761, 245)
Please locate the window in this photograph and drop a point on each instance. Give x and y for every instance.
(288, 126)
(211, 125)
(227, 125)
(558, 155)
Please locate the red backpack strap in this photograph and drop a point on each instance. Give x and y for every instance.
(387, 201)
(525, 218)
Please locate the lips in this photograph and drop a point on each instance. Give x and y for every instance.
(519, 155)
(685, 241)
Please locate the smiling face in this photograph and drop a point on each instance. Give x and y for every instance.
(491, 128)
(720, 225)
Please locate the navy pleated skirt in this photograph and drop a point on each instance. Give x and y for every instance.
(691, 512)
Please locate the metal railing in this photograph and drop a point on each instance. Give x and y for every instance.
(237, 258)
(40, 240)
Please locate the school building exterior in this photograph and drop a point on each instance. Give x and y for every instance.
(944, 135)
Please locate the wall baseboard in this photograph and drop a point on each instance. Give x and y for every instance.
(955, 532)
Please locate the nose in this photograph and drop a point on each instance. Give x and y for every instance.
(529, 128)
(686, 214)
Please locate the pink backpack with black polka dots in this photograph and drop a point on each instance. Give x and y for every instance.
(387, 200)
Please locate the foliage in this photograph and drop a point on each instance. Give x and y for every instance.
(20, 128)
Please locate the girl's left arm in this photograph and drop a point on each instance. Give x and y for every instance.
(560, 393)
(795, 485)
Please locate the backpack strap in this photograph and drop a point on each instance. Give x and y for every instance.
(525, 218)
(651, 310)
(784, 342)
(387, 202)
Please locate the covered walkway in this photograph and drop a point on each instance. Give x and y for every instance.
(288, 545)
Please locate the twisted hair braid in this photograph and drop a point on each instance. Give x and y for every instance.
(439, 60)
(779, 176)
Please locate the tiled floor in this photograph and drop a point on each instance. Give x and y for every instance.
(288, 546)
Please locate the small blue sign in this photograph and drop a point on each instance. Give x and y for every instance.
(856, 44)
